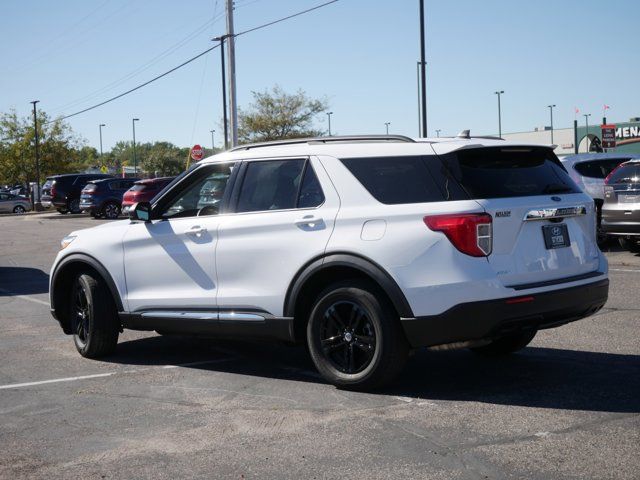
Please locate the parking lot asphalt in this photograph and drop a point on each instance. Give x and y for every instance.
(567, 407)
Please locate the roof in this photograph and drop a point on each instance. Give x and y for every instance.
(361, 146)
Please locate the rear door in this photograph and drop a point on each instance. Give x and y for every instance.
(543, 225)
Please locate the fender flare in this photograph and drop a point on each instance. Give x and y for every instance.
(93, 263)
(346, 259)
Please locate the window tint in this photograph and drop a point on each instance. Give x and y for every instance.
(310, 192)
(4, 196)
(497, 172)
(270, 185)
(598, 168)
(201, 194)
(394, 180)
(629, 173)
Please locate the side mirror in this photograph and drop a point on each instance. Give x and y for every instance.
(141, 211)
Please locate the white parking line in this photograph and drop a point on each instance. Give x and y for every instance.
(24, 297)
(108, 374)
(624, 270)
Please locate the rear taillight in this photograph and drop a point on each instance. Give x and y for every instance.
(52, 191)
(89, 189)
(470, 233)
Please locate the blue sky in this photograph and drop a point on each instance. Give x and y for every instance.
(359, 54)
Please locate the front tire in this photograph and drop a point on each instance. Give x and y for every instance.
(506, 344)
(74, 206)
(19, 209)
(93, 317)
(630, 244)
(354, 337)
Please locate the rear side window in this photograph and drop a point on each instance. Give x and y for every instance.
(598, 168)
(270, 185)
(395, 180)
(498, 172)
(629, 173)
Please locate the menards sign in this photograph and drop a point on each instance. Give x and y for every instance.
(626, 135)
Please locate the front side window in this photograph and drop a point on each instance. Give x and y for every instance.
(270, 185)
(202, 195)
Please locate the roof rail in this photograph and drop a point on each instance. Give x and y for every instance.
(317, 140)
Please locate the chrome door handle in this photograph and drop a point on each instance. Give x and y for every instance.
(197, 230)
(308, 220)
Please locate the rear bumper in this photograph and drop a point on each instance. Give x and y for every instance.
(493, 318)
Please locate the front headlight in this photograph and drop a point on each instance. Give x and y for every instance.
(64, 243)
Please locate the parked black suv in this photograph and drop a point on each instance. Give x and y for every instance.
(621, 208)
(63, 191)
(103, 198)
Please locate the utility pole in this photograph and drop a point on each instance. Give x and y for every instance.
(225, 120)
(100, 127)
(329, 117)
(231, 50)
(135, 160)
(498, 93)
(37, 202)
(386, 124)
(213, 145)
(551, 113)
(423, 74)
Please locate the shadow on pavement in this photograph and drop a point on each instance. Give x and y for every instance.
(23, 281)
(535, 377)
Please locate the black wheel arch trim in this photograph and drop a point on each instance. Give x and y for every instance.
(93, 263)
(347, 259)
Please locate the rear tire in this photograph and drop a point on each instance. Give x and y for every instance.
(111, 211)
(354, 337)
(19, 209)
(63, 211)
(506, 344)
(93, 316)
(630, 244)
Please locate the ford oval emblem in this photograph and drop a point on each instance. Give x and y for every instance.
(556, 199)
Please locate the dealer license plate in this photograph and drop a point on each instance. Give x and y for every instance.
(556, 236)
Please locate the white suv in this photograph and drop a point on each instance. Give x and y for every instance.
(362, 248)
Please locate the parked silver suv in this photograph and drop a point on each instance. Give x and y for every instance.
(621, 209)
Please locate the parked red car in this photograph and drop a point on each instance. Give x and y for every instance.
(143, 191)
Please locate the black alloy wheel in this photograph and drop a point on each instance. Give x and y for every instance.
(348, 337)
(354, 336)
(93, 316)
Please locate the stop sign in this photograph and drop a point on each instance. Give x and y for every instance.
(197, 152)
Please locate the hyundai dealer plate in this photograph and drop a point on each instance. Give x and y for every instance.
(556, 236)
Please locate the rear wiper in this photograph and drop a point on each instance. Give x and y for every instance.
(557, 188)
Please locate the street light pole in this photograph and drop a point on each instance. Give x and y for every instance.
(386, 124)
(500, 92)
(37, 202)
(423, 74)
(135, 160)
(213, 145)
(100, 128)
(225, 120)
(586, 121)
(551, 113)
(329, 117)
(438, 133)
(231, 50)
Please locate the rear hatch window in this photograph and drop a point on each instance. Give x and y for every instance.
(500, 172)
(598, 168)
(629, 173)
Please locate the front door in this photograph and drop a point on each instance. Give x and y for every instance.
(282, 218)
(170, 261)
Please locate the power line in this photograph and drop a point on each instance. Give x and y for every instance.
(287, 18)
(189, 61)
(136, 88)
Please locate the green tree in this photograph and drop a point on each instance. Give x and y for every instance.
(58, 147)
(164, 159)
(276, 115)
